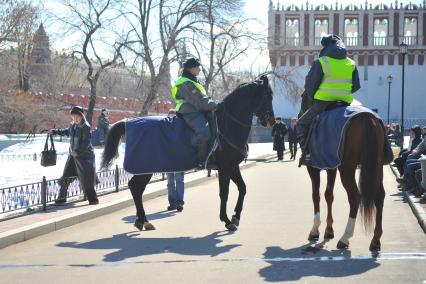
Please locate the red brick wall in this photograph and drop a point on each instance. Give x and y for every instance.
(306, 30)
(365, 36)
(396, 29)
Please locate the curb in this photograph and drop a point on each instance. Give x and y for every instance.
(418, 211)
(44, 227)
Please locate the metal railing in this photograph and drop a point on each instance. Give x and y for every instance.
(40, 194)
(25, 157)
(409, 40)
(317, 41)
(351, 41)
(380, 41)
(292, 42)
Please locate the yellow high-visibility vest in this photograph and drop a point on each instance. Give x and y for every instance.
(337, 81)
(174, 90)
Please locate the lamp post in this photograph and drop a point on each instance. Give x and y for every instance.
(390, 78)
(403, 48)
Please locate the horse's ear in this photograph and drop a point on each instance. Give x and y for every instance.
(265, 79)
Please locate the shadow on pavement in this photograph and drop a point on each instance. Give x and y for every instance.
(151, 217)
(296, 263)
(130, 245)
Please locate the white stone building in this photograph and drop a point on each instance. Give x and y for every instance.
(372, 35)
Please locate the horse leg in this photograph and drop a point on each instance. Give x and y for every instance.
(137, 185)
(331, 178)
(238, 180)
(378, 231)
(224, 178)
(347, 175)
(315, 179)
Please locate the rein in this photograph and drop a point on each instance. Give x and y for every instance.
(234, 119)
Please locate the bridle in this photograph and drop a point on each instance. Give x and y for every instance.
(263, 117)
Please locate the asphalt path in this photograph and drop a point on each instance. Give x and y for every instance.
(193, 246)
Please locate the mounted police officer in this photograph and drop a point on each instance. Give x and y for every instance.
(192, 103)
(332, 77)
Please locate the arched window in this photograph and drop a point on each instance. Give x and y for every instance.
(351, 32)
(410, 31)
(292, 32)
(381, 27)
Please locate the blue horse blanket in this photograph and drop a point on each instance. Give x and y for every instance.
(328, 135)
(158, 144)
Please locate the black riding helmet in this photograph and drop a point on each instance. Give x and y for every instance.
(191, 63)
(77, 110)
(329, 40)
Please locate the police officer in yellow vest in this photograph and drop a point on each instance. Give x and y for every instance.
(191, 103)
(332, 77)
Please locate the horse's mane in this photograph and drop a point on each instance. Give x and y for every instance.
(240, 89)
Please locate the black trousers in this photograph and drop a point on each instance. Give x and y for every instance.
(84, 169)
(280, 154)
(293, 149)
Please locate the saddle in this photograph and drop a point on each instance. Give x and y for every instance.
(325, 142)
(159, 144)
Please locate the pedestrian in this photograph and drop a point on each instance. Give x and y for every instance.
(81, 158)
(192, 103)
(396, 135)
(292, 138)
(332, 77)
(279, 130)
(175, 184)
(103, 126)
(415, 139)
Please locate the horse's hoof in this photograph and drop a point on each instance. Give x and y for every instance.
(231, 227)
(139, 225)
(329, 234)
(375, 246)
(313, 236)
(148, 226)
(342, 245)
(235, 220)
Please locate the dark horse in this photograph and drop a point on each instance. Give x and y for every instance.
(364, 146)
(234, 115)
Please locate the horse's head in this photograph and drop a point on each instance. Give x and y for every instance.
(264, 110)
(305, 104)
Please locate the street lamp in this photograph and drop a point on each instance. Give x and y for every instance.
(403, 51)
(390, 78)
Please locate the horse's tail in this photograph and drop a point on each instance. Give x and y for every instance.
(111, 144)
(371, 172)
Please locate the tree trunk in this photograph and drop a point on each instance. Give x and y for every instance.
(92, 101)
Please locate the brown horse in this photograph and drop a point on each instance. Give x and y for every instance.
(364, 147)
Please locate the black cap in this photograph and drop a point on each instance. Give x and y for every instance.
(77, 110)
(330, 39)
(103, 110)
(191, 63)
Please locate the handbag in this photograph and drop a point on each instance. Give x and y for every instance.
(48, 156)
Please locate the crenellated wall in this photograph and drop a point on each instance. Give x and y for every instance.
(372, 35)
(117, 108)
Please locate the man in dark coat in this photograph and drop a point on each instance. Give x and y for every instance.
(81, 160)
(279, 130)
(292, 138)
(103, 126)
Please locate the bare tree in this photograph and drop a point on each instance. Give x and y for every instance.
(9, 19)
(94, 20)
(154, 41)
(26, 16)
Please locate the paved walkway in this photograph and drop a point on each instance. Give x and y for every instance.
(193, 247)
